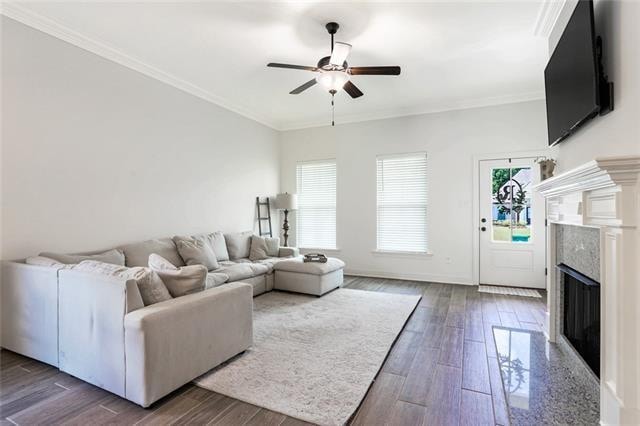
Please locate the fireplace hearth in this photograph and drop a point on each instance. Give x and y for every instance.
(581, 316)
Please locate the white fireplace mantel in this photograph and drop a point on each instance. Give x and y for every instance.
(604, 193)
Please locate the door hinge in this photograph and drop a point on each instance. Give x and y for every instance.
(546, 222)
(546, 271)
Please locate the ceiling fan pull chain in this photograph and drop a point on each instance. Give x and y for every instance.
(333, 110)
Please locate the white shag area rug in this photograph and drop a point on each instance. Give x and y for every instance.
(314, 358)
(509, 291)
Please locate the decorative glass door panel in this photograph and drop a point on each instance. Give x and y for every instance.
(511, 204)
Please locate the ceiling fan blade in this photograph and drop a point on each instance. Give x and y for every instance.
(340, 53)
(293, 67)
(352, 90)
(304, 87)
(374, 70)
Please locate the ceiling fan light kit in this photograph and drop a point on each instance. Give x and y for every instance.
(334, 71)
(333, 80)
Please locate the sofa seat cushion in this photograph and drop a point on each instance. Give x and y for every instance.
(214, 279)
(315, 268)
(137, 254)
(240, 271)
(270, 262)
(114, 257)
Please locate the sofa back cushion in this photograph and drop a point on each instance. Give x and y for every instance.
(137, 254)
(196, 251)
(151, 287)
(114, 256)
(179, 281)
(238, 244)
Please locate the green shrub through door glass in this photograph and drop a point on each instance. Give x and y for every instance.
(511, 204)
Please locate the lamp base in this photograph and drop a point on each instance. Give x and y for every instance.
(285, 228)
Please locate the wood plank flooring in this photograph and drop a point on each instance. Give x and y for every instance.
(442, 370)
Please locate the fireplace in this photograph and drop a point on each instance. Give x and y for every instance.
(602, 195)
(581, 315)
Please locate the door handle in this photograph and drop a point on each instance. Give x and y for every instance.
(483, 229)
(483, 220)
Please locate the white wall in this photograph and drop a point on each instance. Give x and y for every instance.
(451, 140)
(617, 133)
(95, 154)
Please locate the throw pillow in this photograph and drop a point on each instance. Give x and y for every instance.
(263, 248)
(114, 256)
(46, 261)
(238, 244)
(179, 281)
(273, 246)
(152, 289)
(196, 252)
(219, 246)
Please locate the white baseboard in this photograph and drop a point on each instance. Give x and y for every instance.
(411, 277)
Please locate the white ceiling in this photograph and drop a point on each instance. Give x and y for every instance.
(453, 54)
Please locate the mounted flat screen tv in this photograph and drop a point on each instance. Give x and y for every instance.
(573, 82)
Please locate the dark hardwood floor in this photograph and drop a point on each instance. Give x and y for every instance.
(441, 370)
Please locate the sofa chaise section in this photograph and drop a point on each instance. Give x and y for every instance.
(108, 338)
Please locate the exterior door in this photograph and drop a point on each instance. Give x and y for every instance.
(512, 227)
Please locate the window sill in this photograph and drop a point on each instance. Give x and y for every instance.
(409, 254)
(319, 249)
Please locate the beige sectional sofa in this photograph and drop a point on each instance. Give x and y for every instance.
(96, 327)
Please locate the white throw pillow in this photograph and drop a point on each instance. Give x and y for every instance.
(152, 289)
(196, 251)
(219, 246)
(47, 261)
(263, 248)
(113, 256)
(238, 244)
(273, 246)
(179, 281)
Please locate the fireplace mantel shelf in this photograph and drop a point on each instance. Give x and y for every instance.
(605, 194)
(601, 192)
(597, 174)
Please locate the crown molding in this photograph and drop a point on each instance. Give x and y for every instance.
(56, 29)
(547, 17)
(407, 112)
(22, 14)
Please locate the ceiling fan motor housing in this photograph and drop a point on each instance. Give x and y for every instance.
(325, 65)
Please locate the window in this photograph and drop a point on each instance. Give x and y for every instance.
(316, 215)
(402, 203)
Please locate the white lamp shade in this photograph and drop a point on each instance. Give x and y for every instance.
(286, 201)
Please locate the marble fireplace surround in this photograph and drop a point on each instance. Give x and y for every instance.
(603, 195)
(578, 247)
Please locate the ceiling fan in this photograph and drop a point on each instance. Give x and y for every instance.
(334, 73)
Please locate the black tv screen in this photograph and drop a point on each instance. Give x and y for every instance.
(571, 76)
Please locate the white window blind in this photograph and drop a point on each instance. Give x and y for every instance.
(402, 203)
(316, 215)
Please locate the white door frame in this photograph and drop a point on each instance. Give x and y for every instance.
(475, 254)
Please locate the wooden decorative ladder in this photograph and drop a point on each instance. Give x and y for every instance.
(260, 205)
